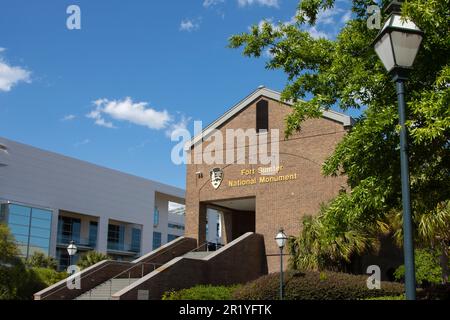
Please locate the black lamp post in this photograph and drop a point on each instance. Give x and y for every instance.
(71, 250)
(397, 45)
(281, 239)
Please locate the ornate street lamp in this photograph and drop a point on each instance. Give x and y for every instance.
(397, 45)
(281, 239)
(72, 250)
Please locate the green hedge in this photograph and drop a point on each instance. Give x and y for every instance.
(202, 293)
(311, 285)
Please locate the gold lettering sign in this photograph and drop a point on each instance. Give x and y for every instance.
(267, 175)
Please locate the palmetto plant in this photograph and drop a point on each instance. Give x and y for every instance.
(432, 231)
(319, 247)
(90, 258)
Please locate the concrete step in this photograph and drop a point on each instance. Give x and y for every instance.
(104, 290)
(198, 255)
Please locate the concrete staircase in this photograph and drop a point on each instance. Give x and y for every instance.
(198, 254)
(106, 289)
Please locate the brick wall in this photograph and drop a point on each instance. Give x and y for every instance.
(278, 204)
(241, 261)
(105, 270)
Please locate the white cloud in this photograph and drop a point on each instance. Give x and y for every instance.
(189, 25)
(211, 3)
(347, 16)
(316, 34)
(82, 143)
(126, 110)
(176, 127)
(266, 3)
(68, 117)
(12, 75)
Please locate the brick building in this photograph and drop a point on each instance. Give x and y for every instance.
(248, 199)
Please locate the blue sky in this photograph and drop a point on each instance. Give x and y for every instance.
(111, 92)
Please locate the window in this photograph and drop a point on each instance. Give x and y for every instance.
(93, 228)
(31, 228)
(116, 237)
(176, 226)
(262, 116)
(156, 217)
(156, 240)
(171, 237)
(136, 240)
(68, 229)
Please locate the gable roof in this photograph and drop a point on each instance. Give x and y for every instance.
(345, 120)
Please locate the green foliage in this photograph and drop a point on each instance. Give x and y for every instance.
(428, 270)
(18, 281)
(8, 248)
(401, 297)
(40, 260)
(311, 285)
(345, 72)
(90, 258)
(202, 292)
(49, 276)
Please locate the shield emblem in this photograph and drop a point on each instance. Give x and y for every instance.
(216, 176)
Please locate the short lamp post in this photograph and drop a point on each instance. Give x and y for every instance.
(281, 239)
(72, 250)
(397, 45)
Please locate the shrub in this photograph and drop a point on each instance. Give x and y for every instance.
(202, 292)
(90, 258)
(312, 285)
(435, 292)
(428, 269)
(40, 260)
(49, 276)
(402, 297)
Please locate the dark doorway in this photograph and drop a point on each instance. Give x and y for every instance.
(237, 217)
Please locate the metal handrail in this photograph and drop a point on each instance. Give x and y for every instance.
(218, 246)
(134, 266)
(83, 276)
(106, 264)
(142, 264)
(195, 250)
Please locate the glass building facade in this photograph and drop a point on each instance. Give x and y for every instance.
(136, 240)
(116, 237)
(31, 227)
(171, 237)
(156, 240)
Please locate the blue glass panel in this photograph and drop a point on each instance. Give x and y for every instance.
(136, 240)
(76, 230)
(17, 219)
(18, 230)
(38, 232)
(121, 235)
(156, 217)
(41, 214)
(39, 242)
(156, 240)
(171, 237)
(32, 250)
(19, 210)
(44, 224)
(21, 239)
(93, 229)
